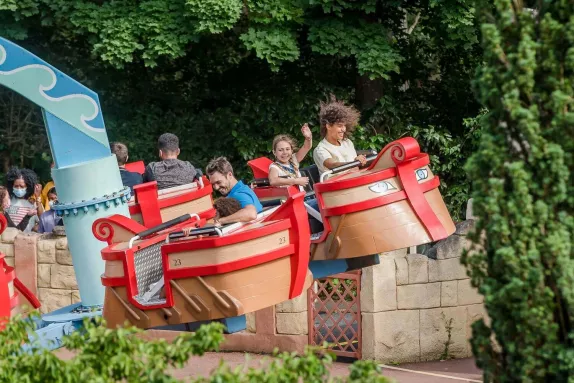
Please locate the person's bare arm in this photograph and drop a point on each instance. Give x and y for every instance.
(275, 180)
(248, 213)
(330, 163)
(300, 155)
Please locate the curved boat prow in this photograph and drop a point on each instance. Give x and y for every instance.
(215, 273)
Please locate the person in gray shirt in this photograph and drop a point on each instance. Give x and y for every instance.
(170, 171)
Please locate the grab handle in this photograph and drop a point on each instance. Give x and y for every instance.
(207, 231)
(162, 226)
(347, 166)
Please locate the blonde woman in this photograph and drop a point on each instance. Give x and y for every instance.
(285, 170)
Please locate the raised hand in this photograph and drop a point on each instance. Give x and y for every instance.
(38, 190)
(306, 132)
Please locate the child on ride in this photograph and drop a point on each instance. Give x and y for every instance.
(287, 160)
(285, 170)
(336, 149)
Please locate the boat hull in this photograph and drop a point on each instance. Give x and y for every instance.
(252, 289)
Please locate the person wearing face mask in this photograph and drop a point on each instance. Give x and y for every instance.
(336, 149)
(25, 199)
(49, 219)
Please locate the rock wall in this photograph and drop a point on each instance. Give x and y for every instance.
(44, 264)
(291, 317)
(411, 302)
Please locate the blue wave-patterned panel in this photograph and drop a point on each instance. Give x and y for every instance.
(52, 90)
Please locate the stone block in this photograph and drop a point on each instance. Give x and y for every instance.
(400, 253)
(62, 243)
(292, 323)
(10, 234)
(63, 277)
(250, 322)
(47, 251)
(76, 296)
(391, 336)
(418, 268)
(44, 272)
(421, 296)
(296, 305)
(434, 333)
(402, 271)
(53, 299)
(468, 295)
(379, 287)
(10, 261)
(63, 257)
(449, 293)
(452, 247)
(465, 227)
(446, 270)
(7, 249)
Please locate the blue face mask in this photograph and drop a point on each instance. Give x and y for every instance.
(20, 193)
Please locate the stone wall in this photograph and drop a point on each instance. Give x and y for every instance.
(43, 263)
(291, 317)
(409, 302)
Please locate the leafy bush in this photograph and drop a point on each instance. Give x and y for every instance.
(105, 355)
(523, 193)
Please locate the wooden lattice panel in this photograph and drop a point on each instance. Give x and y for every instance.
(335, 313)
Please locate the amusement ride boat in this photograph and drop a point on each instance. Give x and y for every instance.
(392, 204)
(159, 276)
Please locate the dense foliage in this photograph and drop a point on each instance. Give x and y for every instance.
(105, 356)
(524, 194)
(227, 75)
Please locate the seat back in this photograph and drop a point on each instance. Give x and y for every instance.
(260, 167)
(138, 167)
(313, 173)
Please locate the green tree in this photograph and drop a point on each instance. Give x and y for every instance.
(105, 356)
(524, 194)
(228, 75)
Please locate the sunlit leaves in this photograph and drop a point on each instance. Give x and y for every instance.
(272, 44)
(214, 16)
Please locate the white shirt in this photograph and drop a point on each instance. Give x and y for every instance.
(281, 172)
(344, 153)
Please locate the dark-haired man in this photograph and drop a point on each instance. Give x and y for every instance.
(170, 171)
(130, 179)
(220, 173)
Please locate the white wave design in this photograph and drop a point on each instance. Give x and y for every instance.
(42, 89)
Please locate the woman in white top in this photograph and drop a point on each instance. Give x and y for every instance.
(287, 160)
(337, 122)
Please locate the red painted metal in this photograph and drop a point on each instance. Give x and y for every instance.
(137, 166)
(334, 313)
(7, 275)
(149, 204)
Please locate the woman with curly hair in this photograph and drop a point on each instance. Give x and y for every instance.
(25, 199)
(337, 122)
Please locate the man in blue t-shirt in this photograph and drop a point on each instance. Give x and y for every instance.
(221, 176)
